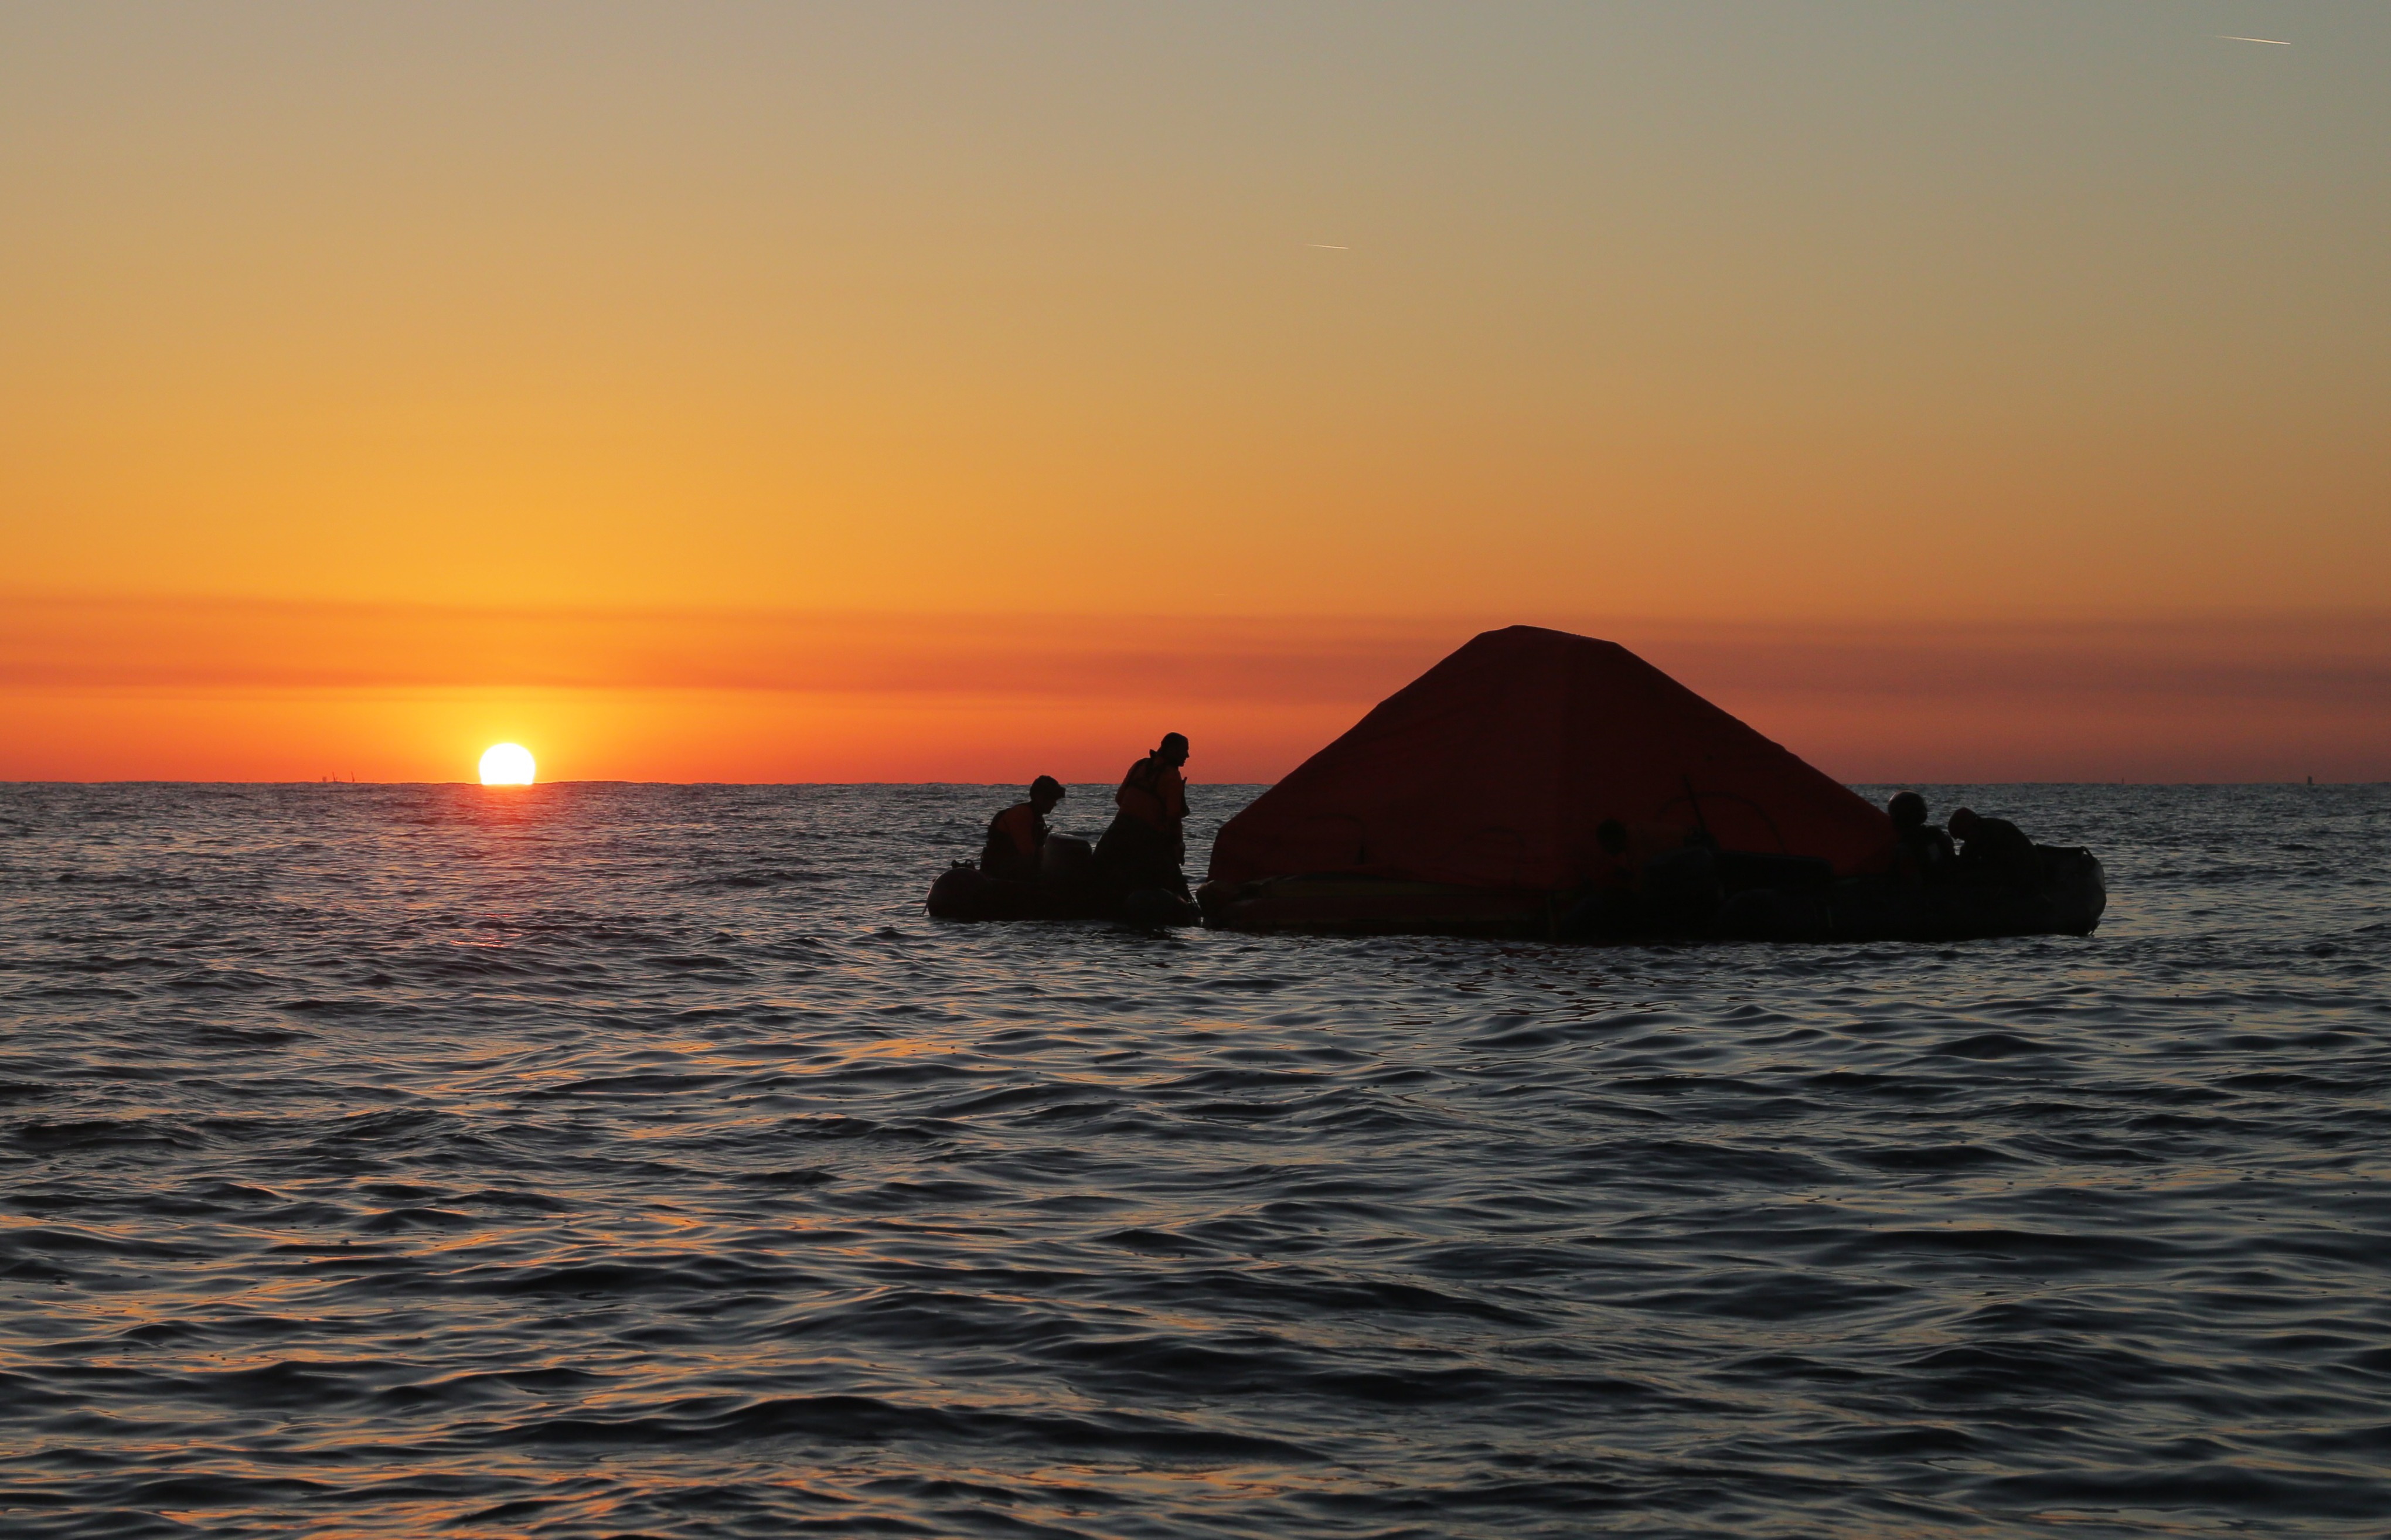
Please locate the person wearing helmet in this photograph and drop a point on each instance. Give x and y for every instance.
(1017, 836)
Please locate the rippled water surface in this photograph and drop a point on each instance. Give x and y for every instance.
(640, 1161)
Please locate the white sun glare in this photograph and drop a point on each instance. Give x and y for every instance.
(506, 765)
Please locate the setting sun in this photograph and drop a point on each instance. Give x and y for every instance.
(506, 764)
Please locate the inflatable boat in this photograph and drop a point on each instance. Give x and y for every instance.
(1070, 886)
(965, 892)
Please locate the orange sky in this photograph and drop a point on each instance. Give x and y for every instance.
(747, 392)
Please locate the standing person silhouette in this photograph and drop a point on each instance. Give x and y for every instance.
(1147, 840)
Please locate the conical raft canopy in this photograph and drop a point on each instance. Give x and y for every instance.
(1493, 768)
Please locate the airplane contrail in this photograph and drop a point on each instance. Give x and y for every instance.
(2276, 41)
(1324, 246)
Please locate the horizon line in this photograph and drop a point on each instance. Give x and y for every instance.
(1265, 784)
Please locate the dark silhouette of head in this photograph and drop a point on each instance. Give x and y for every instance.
(1612, 835)
(1909, 811)
(1172, 751)
(1964, 824)
(1044, 793)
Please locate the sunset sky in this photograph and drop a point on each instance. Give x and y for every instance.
(780, 391)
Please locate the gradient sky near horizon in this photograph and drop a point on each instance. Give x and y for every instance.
(764, 392)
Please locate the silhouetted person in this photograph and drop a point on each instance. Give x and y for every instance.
(1994, 851)
(1017, 835)
(1613, 871)
(1147, 840)
(1921, 853)
(1680, 888)
(1606, 904)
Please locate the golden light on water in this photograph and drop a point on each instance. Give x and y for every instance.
(506, 764)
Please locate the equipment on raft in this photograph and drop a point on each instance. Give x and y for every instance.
(1473, 801)
(1070, 886)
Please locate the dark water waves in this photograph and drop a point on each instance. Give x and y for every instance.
(639, 1161)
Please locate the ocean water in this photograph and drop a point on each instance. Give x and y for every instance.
(639, 1161)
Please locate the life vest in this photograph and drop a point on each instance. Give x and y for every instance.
(1611, 873)
(1019, 825)
(1998, 851)
(1154, 794)
(1013, 837)
(1922, 855)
